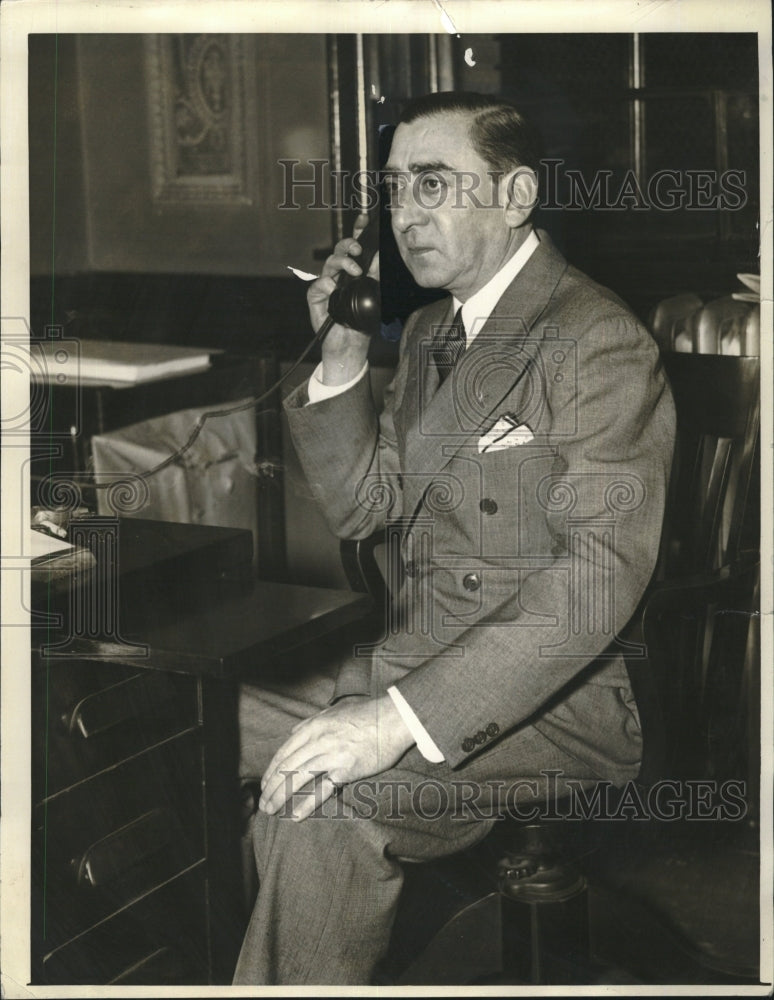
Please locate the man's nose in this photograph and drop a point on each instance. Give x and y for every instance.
(406, 212)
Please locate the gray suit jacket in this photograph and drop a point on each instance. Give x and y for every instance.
(523, 563)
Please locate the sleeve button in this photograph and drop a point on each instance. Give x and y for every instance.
(480, 737)
(492, 729)
(468, 744)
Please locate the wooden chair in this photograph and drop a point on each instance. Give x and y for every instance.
(698, 696)
(688, 890)
(707, 554)
(672, 320)
(721, 328)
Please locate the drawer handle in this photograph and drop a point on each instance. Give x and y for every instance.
(114, 705)
(106, 859)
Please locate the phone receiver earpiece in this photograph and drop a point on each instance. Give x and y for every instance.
(358, 305)
(356, 302)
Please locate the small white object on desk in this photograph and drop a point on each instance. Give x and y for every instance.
(122, 361)
(45, 546)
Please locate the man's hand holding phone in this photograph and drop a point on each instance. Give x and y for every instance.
(344, 349)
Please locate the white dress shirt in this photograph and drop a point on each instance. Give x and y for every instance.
(475, 312)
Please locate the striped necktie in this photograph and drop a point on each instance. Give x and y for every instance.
(448, 345)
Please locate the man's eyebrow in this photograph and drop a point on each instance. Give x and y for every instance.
(420, 168)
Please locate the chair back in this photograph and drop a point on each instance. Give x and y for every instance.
(722, 328)
(718, 415)
(672, 320)
(698, 614)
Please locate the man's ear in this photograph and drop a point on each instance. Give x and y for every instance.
(520, 193)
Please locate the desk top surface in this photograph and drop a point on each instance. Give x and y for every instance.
(242, 631)
(239, 633)
(222, 629)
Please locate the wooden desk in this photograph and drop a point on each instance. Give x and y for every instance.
(72, 413)
(136, 825)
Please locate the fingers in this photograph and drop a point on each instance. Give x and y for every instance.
(346, 246)
(305, 770)
(360, 223)
(325, 790)
(310, 747)
(321, 289)
(342, 259)
(291, 782)
(300, 786)
(292, 745)
(293, 771)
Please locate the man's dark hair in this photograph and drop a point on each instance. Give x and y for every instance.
(500, 133)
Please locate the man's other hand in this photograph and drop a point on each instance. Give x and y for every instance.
(355, 738)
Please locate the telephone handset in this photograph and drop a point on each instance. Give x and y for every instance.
(356, 301)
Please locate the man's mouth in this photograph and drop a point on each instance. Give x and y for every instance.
(419, 251)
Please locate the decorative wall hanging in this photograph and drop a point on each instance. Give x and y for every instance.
(198, 96)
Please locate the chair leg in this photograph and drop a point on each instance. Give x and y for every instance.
(464, 951)
(545, 903)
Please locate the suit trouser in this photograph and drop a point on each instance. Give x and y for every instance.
(329, 886)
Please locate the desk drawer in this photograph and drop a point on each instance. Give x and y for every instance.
(106, 841)
(159, 940)
(90, 715)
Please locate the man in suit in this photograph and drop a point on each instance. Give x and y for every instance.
(523, 454)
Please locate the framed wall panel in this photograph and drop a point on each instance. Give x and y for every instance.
(199, 94)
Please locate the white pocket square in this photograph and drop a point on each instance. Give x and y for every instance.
(506, 433)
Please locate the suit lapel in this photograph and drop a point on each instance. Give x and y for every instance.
(494, 366)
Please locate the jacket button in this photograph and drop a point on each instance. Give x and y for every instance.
(480, 736)
(488, 506)
(468, 744)
(471, 581)
(411, 568)
(492, 729)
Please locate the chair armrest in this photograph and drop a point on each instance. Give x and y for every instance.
(733, 585)
(691, 592)
(358, 557)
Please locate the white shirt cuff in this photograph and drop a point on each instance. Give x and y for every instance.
(425, 745)
(318, 390)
